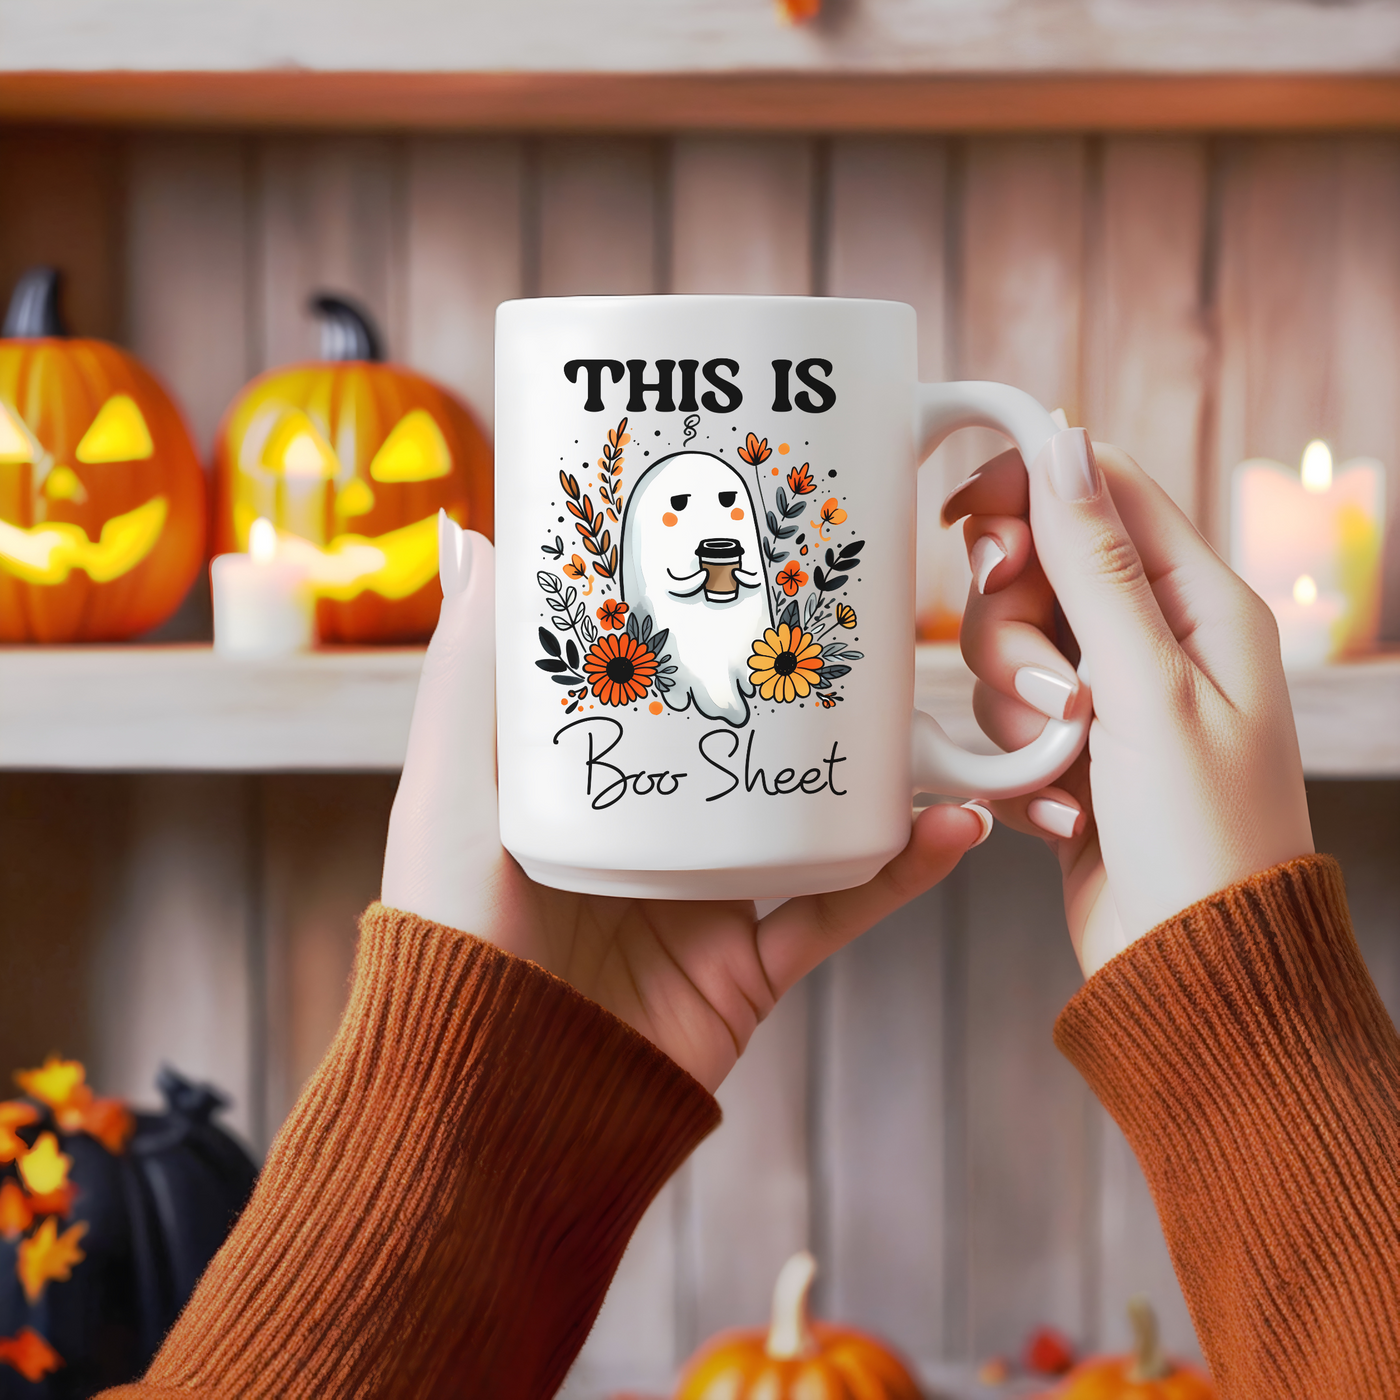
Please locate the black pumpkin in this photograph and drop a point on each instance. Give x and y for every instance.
(152, 1215)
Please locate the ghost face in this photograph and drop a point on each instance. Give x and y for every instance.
(691, 561)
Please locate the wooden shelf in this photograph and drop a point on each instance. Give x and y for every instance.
(880, 65)
(832, 102)
(182, 707)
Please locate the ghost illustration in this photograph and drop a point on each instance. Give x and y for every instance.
(691, 562)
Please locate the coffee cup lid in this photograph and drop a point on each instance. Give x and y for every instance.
(719, 550)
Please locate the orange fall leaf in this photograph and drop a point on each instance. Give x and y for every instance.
(16, 1214)
(44, 1168)
(46, 1256)
(55, 1083)
(29, 1354)
(13, 1115)
(108, 1120)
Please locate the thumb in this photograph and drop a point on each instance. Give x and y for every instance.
(1096, 571)
(443, 833)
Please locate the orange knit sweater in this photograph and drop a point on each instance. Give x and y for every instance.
(442, 1212)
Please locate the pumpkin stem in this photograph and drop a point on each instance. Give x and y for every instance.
(34, 311)
(789, 1336)
(1149, 1364)
(347, 333)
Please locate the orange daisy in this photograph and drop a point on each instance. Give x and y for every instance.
(620, 670)
(786, 664)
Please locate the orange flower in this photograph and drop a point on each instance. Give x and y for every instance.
(14, 1114)
(786, 664)
(800, 481)
(845, 615)
(791, 578)
(620, 670)
(755, 452)
(832, 514)
(29, 1354)
(613, 614)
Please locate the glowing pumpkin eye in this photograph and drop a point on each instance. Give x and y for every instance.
(15, 445)
(295, 448)
(415, 451)
(118, 434)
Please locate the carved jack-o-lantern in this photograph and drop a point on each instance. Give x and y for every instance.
(101, 494)
(351, 459)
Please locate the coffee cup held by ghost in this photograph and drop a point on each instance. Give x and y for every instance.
(719, 558)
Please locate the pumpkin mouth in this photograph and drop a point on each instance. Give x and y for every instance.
(394, 565)
(48, 553)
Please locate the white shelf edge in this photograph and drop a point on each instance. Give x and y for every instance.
(183, 707)
(133, 709)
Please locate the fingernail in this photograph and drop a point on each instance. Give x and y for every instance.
(984, 816)
(1044, 691)
(1058, 818)
(986, 553)
(1074, 475)
(454, 556)
(943, 509)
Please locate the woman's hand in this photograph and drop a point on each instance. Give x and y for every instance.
(1191, 779)
(694, 978)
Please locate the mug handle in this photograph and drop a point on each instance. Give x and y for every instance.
(938, 764)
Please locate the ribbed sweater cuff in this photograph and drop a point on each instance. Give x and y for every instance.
(1246, 1055)
(444, 1208)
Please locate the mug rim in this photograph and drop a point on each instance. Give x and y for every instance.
(708, 298)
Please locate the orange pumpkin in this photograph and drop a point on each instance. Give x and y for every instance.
(794, 1359)
(351, 459)
(1145, 1375)
(101, 492)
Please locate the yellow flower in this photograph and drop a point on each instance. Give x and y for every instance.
(786, 664)
(845, 615)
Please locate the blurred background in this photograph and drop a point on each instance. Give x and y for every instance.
(1178, 224)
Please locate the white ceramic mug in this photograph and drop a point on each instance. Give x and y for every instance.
(705, 592)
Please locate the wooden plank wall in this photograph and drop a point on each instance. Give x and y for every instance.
(1196, 300)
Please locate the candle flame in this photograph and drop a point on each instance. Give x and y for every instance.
(262, 541)
(1317, 467)
(1305, 590)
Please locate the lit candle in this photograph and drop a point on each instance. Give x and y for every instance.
(1309, 543)
(263, 604)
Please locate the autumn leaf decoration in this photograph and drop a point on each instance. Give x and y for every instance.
(36, 1193)
(592, 524)
(799, 11)
(60, 1084)
(29, 1354)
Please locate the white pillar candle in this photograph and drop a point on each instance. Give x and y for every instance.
(1309, 543)
(263, 604)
